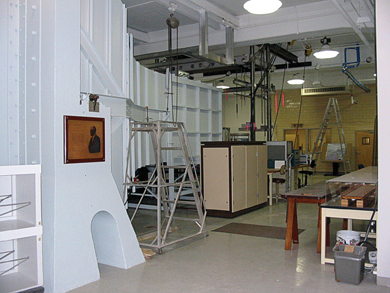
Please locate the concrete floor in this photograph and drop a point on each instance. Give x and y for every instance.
(225, 262)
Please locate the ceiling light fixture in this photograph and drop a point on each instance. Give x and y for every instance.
(262, 6)
(221, 85)
(296, 80)
(224, 87)
(326, 51)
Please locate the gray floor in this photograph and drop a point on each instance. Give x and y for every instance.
(225, 262)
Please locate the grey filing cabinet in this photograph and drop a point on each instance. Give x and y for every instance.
(234, 177)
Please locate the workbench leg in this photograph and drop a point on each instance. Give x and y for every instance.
(345, 224)
(327, 232)
(323, 235)
(319, 231)
(290, 223)
(295, 225)
(290, 220)
(270, 187)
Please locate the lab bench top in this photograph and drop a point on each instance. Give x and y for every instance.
(317, 190)
(364, 175)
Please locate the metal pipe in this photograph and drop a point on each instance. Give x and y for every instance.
(229, 45)
(267, 93)
(203, 33)
(252, 79)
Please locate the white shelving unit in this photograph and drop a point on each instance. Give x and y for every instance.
(200, 108)
(20, 228)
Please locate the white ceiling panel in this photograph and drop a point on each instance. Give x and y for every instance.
(151, 16)
(236, 8)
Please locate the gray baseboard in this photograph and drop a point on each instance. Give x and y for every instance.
(382, 281)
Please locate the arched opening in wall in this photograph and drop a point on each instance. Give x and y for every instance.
(106, 240)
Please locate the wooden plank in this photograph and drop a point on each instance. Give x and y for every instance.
(359, 193)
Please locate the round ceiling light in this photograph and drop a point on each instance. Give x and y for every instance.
(262, 6)
(326, 51)
(296, 80)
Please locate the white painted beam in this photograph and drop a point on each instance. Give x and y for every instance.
(104, 73)
(141, 36)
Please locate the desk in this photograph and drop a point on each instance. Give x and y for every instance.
(333, 209)
(315, 194)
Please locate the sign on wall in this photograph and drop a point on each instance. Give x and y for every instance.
(84, 139)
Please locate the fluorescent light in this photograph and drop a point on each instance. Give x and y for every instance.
(262, 6)
(295, 81)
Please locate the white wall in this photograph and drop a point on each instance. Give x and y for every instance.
(383, 65)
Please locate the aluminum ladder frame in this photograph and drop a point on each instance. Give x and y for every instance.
(159, 181)
(332, 105)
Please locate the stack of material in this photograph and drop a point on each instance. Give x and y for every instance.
(359, 195)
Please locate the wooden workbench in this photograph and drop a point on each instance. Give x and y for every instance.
(314, 194)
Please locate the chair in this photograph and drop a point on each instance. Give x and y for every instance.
(278, 181)
(308, 173)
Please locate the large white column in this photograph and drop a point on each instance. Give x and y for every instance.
(383, 65)
(78, 199)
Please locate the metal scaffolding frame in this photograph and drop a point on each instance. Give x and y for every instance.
(170, 192)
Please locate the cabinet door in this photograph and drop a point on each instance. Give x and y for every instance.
(238, 178)
(216, 178)
(262, 180)
(251, 175)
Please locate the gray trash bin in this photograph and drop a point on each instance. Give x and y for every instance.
(349, 267)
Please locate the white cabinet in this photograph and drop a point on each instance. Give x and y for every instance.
(234, 177)
(20, 228)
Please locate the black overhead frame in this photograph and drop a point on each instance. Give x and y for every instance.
(261, 61)
(265, 57)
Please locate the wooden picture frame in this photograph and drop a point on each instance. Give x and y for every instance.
(84, 139)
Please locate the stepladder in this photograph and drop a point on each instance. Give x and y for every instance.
(180, 211)
(332, 109)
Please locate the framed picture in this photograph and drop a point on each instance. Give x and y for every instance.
(84, 139)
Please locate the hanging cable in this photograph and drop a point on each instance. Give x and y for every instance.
(177, 71)
(173, 23)
(300, 105)
(281, 94)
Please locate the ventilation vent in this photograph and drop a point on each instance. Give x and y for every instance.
(321, 91)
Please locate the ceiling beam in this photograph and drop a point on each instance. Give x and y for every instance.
(283, 53)
(141, 36)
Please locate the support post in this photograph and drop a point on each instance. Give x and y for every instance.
(229, 45)
(203, 33)
(252, 78)
(268, 85)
